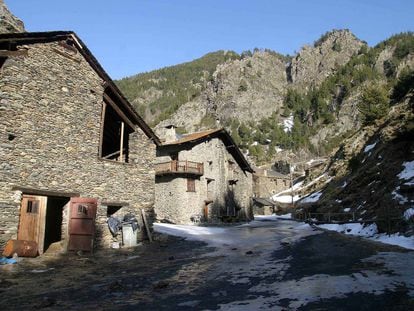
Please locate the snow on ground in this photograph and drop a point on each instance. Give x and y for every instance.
(289, 190)
(312, 198)
(266, 234)
(353, 229)
(370, 147)
(285, 198)
(409, 213)
(322, 286)
(395, 239)
(288, 124)
(371, 232)
(299, 186)
(273, 217)
(408, 171)
(399, 197)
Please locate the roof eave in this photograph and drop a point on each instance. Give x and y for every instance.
(29, 37)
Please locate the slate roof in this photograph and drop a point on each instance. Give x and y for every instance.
(198, 137)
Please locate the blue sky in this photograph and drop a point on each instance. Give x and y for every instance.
(132, 36)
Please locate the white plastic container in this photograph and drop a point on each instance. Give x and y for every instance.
(129, 237)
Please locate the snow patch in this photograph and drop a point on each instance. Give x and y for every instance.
(278, 149)
(409, 213)
(408, 171)
(371, 232)
(395, 239)
(288, 124)
(398, 197)
(346, 210)
(352, 229)
(272, 217)
(279, 194)
(285, 198)
(370, 147)
(312, 198)
(344, 184)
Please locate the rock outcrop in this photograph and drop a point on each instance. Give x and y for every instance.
(315, 63)
(8, 22)
(248, 89)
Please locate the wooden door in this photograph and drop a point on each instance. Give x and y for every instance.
(82, 214)
(32, 220)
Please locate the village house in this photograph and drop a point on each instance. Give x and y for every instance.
(73, 151)
(267, 183)
(202, 177)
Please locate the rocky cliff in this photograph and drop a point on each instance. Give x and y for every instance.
(8, 22)
(253, 87)
(308, 102)
(372, 174)
(313, 64)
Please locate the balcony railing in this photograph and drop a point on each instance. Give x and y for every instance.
(179, 167)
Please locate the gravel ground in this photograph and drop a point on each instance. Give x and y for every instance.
(266, 265)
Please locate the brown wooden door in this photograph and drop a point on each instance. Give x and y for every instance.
(82, 214)
(31, 224)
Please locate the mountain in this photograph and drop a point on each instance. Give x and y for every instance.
(371, 174)
(158, 94)
(8, 22)
(255, 94)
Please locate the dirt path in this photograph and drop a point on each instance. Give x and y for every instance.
(277, 265)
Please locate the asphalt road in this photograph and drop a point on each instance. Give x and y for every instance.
(268, 265)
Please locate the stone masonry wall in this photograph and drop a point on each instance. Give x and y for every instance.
(266, 186)
(50, 110)
(175, 204)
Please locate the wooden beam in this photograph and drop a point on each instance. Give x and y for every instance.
(67, 55)
(46, 192)
(6, 53)
(119, 111)
(147, 228)
(101, 135)
(112, 154)
(121, 143)
(114, 203)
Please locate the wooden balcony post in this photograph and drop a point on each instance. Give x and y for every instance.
(121, 145)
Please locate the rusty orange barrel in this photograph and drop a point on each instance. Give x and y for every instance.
(21, 248)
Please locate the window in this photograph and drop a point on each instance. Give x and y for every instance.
(114, 136)
(32, 207)
(190, 185)
(111, 210)
(82, 210)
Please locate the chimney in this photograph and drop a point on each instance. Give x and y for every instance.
(170, 134)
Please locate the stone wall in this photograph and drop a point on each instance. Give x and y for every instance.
(173, 203)
(266, 186)
(50, 111)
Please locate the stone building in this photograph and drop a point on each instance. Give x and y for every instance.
(266, 182)
(73, 151)
(202, 177)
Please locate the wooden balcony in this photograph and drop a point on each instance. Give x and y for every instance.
(179, 167)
